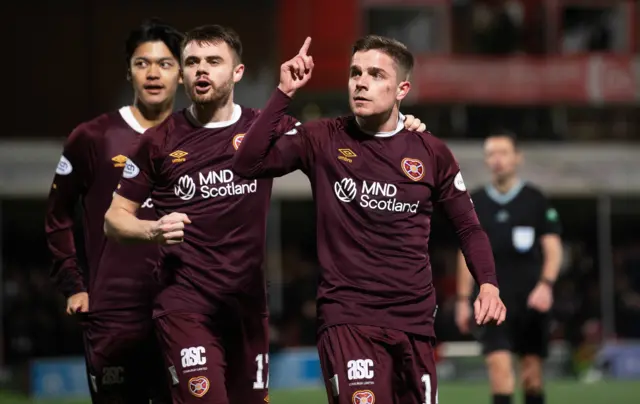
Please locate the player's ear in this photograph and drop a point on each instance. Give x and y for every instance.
(180, 76)
(402, 90)
(238, 71)
(129, 75)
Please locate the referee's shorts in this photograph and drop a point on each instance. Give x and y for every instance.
(524, 332)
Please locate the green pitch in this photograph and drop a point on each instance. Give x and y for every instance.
(606, 392)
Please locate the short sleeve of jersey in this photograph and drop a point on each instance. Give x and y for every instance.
(450, 187)
(548, 220)
(139, 174)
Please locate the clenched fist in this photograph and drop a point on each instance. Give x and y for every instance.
(78, 303)
(169, 229)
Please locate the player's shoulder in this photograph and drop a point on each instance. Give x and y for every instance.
(159, 134)
(249, 115)
(434, 147)
(96, 127)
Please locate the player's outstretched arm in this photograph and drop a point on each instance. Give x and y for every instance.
(122, 224)
(72, 176)
(266, 151)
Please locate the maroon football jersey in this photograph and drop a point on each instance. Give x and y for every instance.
(374, 197)
(186, 167)
(92, 162)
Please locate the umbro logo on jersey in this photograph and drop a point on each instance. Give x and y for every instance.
(119, 160)
(413, 168)
(178, 156)
(237, 140)
(347, 155)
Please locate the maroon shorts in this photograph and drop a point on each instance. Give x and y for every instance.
(365, 364)
(216, 361)
(124, 363)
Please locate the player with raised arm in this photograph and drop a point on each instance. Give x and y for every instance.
(211, 315)
(375, 186)
(113, 290)
(525, 234)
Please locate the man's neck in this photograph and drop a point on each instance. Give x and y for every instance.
(213, 112)
(505, 185)
(149, 117)
(385, 122)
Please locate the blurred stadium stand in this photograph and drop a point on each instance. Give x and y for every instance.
(562, 74)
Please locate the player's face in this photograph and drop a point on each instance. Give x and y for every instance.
(374, 84)
(501, 156)
(209, 71)
(154, 73)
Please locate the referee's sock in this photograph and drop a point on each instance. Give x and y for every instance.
(503, 399)
(531, 397)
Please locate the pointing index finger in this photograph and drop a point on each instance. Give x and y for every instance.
(305, 47)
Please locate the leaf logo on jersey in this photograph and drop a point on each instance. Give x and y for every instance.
(413, 168)
(237, 140)
(185, 189)
(198, 386)
(64, 166)
(130, 169)
(345, 189)
(363, 397)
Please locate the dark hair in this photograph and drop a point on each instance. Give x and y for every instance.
(506, 134)
(153, 30)
(208, 34)
(393, 48)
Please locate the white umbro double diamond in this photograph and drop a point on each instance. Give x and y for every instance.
(345, 189)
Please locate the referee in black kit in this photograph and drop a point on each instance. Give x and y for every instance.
(525, 236)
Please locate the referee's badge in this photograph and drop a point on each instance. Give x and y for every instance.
(523, 237)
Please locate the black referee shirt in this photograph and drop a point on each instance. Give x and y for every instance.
(514, 222)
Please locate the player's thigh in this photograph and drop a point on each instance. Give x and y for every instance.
(247, 346)
(532, 334)
(194, 355)
(113, 370)
(356, 366)
(419, 373)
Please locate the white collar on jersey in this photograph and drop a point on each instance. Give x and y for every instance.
(398, 128)
(127, 115)
(235, 116)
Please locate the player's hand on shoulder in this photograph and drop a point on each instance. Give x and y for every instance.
(78, 303)
(414, 124)
(463, 315)
(488, 306)
(169, 229)
(541, 298)
(295, 73)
